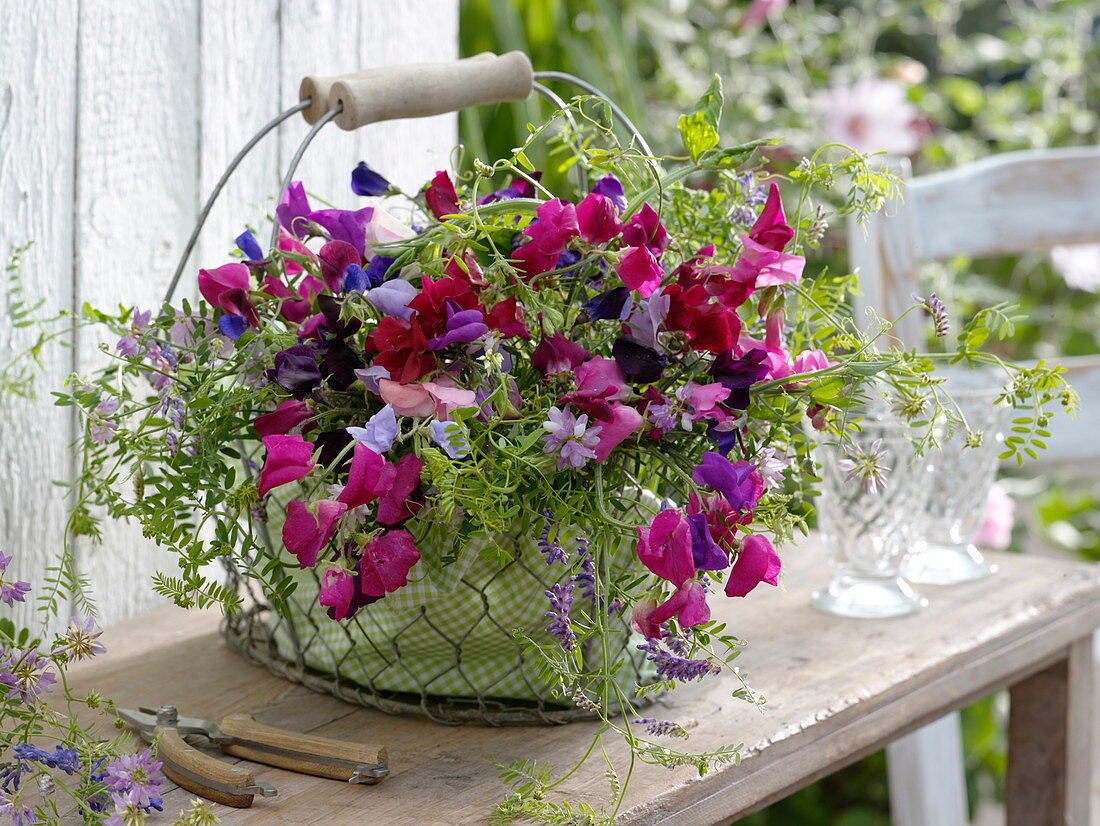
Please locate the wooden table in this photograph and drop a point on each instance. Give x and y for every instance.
(837, 690)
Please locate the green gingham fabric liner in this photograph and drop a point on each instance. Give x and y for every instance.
(450, 637)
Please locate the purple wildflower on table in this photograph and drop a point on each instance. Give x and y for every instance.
(662, 728)
(674, 667)
(23, 672)
(11, 590)
(570, 437)
(561, 603)
(80, 640)
(62, 758)
(135, 776)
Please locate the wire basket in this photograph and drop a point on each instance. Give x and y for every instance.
(445, 647)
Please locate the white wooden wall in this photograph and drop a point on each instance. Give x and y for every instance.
(116, 119)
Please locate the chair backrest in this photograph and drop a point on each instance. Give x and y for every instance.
(1002, 205)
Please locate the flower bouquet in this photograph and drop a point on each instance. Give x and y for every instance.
(492, 443)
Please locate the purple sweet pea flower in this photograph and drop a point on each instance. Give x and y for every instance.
(356, 279)
(706, 553)
(247, 244)
(379, 432)
(609, 304)
(611, 187)
(463, 326)
(640, 364)
(296, 370)
(232, 326)
(451, 436)
(294, 209)
(738, 482)
(392, 297)
(739, 374)
(378, 269)
(345, 225)
(365, 181)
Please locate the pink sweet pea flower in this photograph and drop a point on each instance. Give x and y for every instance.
(395, 504)
(288, 459)
(688, 605)
(641, 619)
(309, 528)
(292, 309)
(227, 288)
(441, 197)
(810, 361)
(369, 477)
(756, 562)
(766, 267)
(1000, 516)
(288, 243)
(704, 399)
(665, 547)
(624, 422)
(386, 562)
(439, 399)
(771, 229)
(600, 381)
(644, 229)
(556, 354)
(337, 592)
(598, 219)
(639, 270)
(758, 11)
(777, 360)
(555, 227)
(284, 418)
(336, 257)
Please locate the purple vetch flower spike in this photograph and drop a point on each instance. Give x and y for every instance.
(12, 808)
(672, 667)
(585, 580)
(938, 310)
(100, 424)
(662, 728)
(570, 437)
(551, 551)
(561, 603)
(365, 181)
(11, 590)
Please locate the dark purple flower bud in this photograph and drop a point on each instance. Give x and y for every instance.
(705, 552)
(356, 279)
(378, 269)
(331, 445)
(296, 370)
(607, 304)
(556, 354)
(365, 181)
(247, 243)
(640, 364)
(739, 374)
(724, 440)
(334, 325)
(610, 187)
(232, 326)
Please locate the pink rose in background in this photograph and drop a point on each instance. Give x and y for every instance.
(1000, 516)
(872, 115)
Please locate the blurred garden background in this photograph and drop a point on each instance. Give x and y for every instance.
(941, 82)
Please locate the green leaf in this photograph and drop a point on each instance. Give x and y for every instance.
(734, 156)
(699, 130)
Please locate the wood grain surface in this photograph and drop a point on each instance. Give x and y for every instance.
(837, 689)
(185, 766)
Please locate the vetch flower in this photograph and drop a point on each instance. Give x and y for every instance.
(552, 551)
(13, 808)
(11, 590)
(365, 181)
(135, 775)
(80, 640)
(756, 562)
(662, 728)
(674, 667)
(664, 547)
(309, 528)
(288, 459)
(287, 415)
(387, 560)
(867, 466)
(938, 310)
(569, 436)
(379, 432)
(23, 672)
(101, 427)
(561, 603)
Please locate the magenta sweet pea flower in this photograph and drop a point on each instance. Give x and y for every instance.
(284, 418)
(386, 562)
(309, 528)
(396, 505)
(337, 592)
(738, 482)
(810, 361)
(704, 399)
(640, 270)
(756, 562)
(293, 210)
(771, 229)
(598, 219)
(555, 226)
(441, 197)
(766, 267)
(369, 477)
(665, 547)
(600, 381)
(644, 229)
(557, 354)
(688, 604)
(227, 287)
(288, 459)
(641, 619)
(624, 422)
(336, 256)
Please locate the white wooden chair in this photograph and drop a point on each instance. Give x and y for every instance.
(1002, 205)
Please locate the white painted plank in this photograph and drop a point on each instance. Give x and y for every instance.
(37, 135)
(927, 777)
(137, 194)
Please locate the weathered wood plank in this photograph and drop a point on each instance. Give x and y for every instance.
(37, 135)
(837, 689)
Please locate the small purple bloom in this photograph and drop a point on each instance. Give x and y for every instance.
(640, 364)
(296, 370)
(451, 436)
(705, 552)
(345, 225)
(80, 640)
(14, 590)
(13, 809)
(135, 775)
(661, 728)
(128, 346)
(570, 436)
(673, 667)
(463, 326)
(567, 259)
(23, 673)
(294, 209)
(585, 578)
(738, 482)
(100, 424)
(370, 376)
(561, 603)
(739, 374)
(393, 297)
(724, 436)
(611, 187)
(379, 268)
(249, 246)
(232, 326)
(608, 304)
(551, 551)
(379, 432)
(356, 279)
(365, 181)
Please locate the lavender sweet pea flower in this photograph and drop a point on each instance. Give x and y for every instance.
(738, 482)
(247, 244)
(294, 209)
(640, 364)
(365, 181)
(463, 326)
(378, 269)
(345, 225)
(379, 432)
(705, 552)
(451, 436)
(370, 376)
(611, 187)
(232, 326)
(393, 297)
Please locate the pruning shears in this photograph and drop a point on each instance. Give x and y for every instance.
(242, 736)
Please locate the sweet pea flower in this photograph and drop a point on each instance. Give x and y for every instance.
(705, 552)
(557, 354)
(309, 528)
(463, 326)
(338, 589)
(811, 361)
(771, 229)
(555, 226)
(611, 187)
(738, 375)
(227, 289)
(613, 303)
(336, 256)
(379, 432)
(644, 229)
(293, 210)
(395, 505)
(688, 604)
(756, 562)
(387, 560)
(440, 196)
(765, 267)
(368, 478)
(428, 398)
(759, 10)
(1000, 516)
(249, 247)
(639, 363)
(624, 422)
(296, 370)
(703, 399)
(641, 619)
(452, 438)
(872, 115)
(288, 459)
(288, 243)
(506, 317)
(402, 348)
(284, 418)
(598, 219)
(366, 181)
(392, 297)
(665, 547)
(738, 482)
(600, 381)
(639, 270)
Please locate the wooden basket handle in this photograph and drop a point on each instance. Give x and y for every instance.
(318, 88)
(419, 90)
